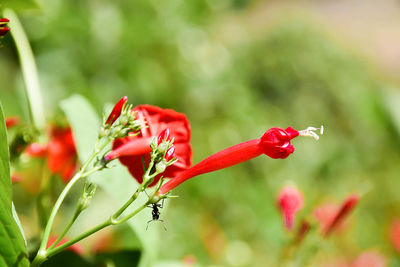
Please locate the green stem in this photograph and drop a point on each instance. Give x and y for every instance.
(77, 176)
(76, 214)
(29, 69)
(146, 177)
(56, 207)
(132, 214)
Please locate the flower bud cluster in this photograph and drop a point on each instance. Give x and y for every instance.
(163, 150)
(121, 122)
(3, 26)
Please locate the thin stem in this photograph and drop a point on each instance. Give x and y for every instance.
(79, 238)
(132, 213)
(76, 214)
(146, 178)
(56, 207)
(29, 69)
(64, 193)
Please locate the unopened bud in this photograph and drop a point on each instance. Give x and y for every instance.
(161, 166)
(89, 189)
(170, 153)
(164, 135)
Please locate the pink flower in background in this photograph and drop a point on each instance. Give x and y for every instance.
(290, 201)
(370, 259)
(331, 216)
(131, 150)
(36, 150)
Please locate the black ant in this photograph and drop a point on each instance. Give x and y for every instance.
(156, 213)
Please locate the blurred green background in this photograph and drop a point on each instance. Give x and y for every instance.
(237, 68)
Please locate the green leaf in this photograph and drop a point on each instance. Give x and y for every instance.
(19, 5)
(12, 244)
(84, 122)
(116, 181)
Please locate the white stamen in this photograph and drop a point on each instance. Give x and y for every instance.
(310, 132)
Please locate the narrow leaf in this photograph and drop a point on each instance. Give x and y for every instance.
(12, 243)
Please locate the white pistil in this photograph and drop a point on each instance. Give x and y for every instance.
(310, 132)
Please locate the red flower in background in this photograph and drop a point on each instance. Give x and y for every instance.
(61, 153)
(77, 248)
(290, 201)
(395, 234)
(132, 149)
(275, 143)
(12, 121)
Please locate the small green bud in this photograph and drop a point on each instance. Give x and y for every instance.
(161, 166)
(162, 148)
(89, 189)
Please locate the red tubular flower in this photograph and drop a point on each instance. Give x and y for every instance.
(132, 149)
(12, 121)
(275, 143)
(395, 234)
(62, 156)
(116, 112)
(77, 248)
(332, 217)
(290, 201)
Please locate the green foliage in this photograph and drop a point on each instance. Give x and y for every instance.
(85, 124)
(12, 244)
(19, 5)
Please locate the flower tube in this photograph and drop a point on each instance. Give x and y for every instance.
(275, 143)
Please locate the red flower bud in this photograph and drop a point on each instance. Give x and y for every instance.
(164, 135)
(116, 112)
(290, 201)
(12, 121)
(4, 20)
(4, 30)
(170, 153)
